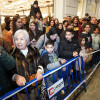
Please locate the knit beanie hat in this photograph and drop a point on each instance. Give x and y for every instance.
(52, 31)
(35, 2)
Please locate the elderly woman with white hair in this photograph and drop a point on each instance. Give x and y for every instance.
(28, 61)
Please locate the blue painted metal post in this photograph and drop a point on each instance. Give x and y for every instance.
(27, 94)
(72, 76)
(15, 98)
(55, 81)
(83, 73)
(68, 78)
(79, 68)
(46, 87)
(38, 91)
(62, 76)
(76, 71)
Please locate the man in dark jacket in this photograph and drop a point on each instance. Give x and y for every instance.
(92, 24)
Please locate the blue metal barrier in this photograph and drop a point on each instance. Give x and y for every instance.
(74, 78)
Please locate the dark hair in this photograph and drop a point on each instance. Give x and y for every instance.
(33, 23)
(49, 43)
(68, 16)
(8, 25)
(36, 28)
(84, 19)
(80, 38)
(75, 17)
(14, 24)
(65, 21)
(50, 22)
(17, 15)
(69, 23)
(86, 14)
(86, 25)
(6, 19)
(61, 24)
(69, 30)
(35, 2)
(96, 28)
(56, 19)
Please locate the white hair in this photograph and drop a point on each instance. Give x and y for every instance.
(22, 31)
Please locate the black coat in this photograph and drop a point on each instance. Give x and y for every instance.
(34, 11)
(92, 27)
(66, 48)
(59, 31)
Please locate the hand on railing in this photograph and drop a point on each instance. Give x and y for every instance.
(75, 53)
(39, 76)
(20, 80)
(63, 61)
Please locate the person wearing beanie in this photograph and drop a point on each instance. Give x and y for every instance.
(52, 36)
(35, 2)
(34, 9)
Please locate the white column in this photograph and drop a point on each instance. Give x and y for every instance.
(58, 9)
(70, 8)
(97, 14)
(88, 7)
(64, 8)
(84, 4)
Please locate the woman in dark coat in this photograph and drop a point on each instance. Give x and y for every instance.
(27, 60)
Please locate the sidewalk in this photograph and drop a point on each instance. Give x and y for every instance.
(93, 88)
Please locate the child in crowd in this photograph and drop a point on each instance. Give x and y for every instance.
(83, 53)
(96, 39)
(68, 47)
(96, 45)
(51, 61)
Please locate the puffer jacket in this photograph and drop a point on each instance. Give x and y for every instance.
(66, 48)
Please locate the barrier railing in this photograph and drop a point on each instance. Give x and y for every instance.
(65, 80)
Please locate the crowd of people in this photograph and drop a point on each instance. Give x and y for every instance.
(33, 45)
